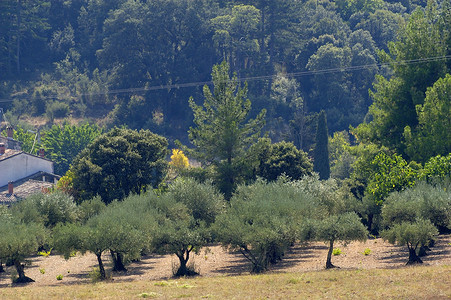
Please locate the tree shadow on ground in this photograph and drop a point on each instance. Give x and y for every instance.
(137, 268)
(400, 254)
(297, 254)
(237, 265)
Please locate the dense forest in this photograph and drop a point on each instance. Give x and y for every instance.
(136, 63)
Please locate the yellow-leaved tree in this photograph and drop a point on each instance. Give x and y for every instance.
(178, 159)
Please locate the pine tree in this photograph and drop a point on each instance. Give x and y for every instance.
(223, 131)
(321, 153)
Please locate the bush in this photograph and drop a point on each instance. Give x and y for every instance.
(337, 251)
(56, 110)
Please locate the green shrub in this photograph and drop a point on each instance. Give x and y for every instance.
(337, 251)
(367, 251)
(59, 277)
(56, 110)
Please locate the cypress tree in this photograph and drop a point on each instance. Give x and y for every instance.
(321, 152)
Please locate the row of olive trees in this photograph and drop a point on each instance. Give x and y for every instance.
(262, 221)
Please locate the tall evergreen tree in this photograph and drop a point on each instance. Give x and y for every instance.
(321, 153)
(223, 131)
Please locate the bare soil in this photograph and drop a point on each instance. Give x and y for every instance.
(216, 261)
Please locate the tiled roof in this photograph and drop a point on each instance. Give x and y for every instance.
(22, 189)
(9, 153)
(10, 143)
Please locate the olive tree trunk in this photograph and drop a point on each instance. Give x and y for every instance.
(20, 271)
(413, 257)
(183, 269)
(101, 267)
(118, 261)
(329, 264)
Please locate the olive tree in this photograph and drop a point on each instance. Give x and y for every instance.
(263, 220)
(187, 211)
(411, 234)
(119, 228)
(335, 219)
(48, 209)
(342, 227)
(411, 217)
(18, 241)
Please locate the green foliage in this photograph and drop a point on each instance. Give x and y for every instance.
(118, 163)
(18, 241)
(396, 99)
(334, 217)
(264, 219)
(64, 142)
(437, 168)
(390, 173)
(223, 131)
(65, 183)
(367, 251)
(124, 228)
(236, 33)
(340, 227)
(432, 135)
(321, 152)
(412, 235)
(90, 208)
(349, 7)
(47, 209)
(340, 157)
(124, 233)
(282, 158)
(27, 138)
(59, 277)
(337, 251)
(344, 227)
(56, 110)
(187, 211)
(365, 153)
(426, 201)
(412, 216)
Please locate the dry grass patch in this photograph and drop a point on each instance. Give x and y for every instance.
(418, 282)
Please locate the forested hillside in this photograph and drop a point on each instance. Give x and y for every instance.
(136, 63)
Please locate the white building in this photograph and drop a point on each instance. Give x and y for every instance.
(16, 165)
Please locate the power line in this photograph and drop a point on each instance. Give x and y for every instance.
(254, 78)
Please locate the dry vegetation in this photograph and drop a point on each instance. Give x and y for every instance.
(381, 274)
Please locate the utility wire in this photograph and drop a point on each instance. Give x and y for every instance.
(255, 78)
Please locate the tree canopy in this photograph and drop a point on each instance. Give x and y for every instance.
(119, 162)
(223, 130)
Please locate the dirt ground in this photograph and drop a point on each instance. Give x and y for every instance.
(216, 261)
